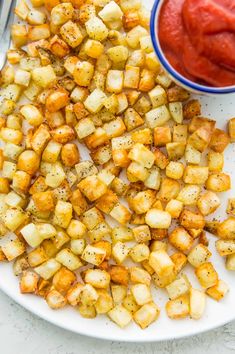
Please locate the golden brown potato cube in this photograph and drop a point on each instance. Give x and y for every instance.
(114, 81)
(181, 239)
(55, 300)
(178, 287)
(218, 182)
(98, 278)
(197, 300)
(63, 214)
(131, 77)
(180, 133)
(191, 109)
(28, 282)
(68, 259)
(122, 233)
(139, 275)
(130, 19)
(218, 291)
(174, 170)
(92, 187)
(121, 214)
(19, 35)
(91, 218)
(208, 203)
(120, 315)
(177, 93)
(230, 262)
(175, 150)
(83, 73)
(87, 311)
(120, 158)
(180, 260)
(192, 155)
(37, 257)
(4, 185)
(161, 262)
(219, 140)
(58, 47)
(143, 136)
(119, 293)
(207, 275)
(143, 201)
(226, 229)
(78, 202)
(142, 233)
(13, 249)
(107, 202)
(160, 159)
(146, 315)
(169, 190)
(143, 105)
(225, 247)
(70, 155)
(13, 218)
(195, 174)
(200, 139)
(141, 154)
(147, 80)
(198, 255)
(198, 122)
(36, 33)
(73, 294)
(104, 303)
(120, 252)
(119, 274)
(139, 253)
(63, 279)
(71, 34)
(132, 119)
(152, 62)
(141, 294)
(57, 100)
(162, 136)
(44, 201)
(215, 161)
(93, 255)
(192, 220)
(158, 96)
(96, 29)
(178, 308)
(174, 207)
(231, 206)
(231, 129)
(11, 136)
(158, 219)
(130, 304)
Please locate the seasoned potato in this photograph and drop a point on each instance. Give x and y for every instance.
(178, 308)
(206, 274)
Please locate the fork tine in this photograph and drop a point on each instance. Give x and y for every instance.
(5, 15)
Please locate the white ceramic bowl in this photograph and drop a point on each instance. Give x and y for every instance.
(177, 77)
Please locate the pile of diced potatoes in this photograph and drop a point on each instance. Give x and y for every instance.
(90, 81)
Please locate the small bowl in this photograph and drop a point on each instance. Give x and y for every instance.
(176, 76)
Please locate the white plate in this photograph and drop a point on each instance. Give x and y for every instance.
(216, 314)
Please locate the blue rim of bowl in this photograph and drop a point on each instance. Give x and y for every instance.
(171, 70)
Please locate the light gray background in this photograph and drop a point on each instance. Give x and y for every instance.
(23, 333)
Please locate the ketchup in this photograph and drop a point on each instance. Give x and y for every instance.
(198, 39)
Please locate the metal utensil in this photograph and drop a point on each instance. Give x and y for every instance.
(6, 19)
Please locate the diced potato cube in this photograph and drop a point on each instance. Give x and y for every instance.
(178, 308)
(134, 35)
(218, 182)
(146, 315)
(139, 153)
(13, 249)
(120, 252)
(161, 262)
(31, 235)
(55, 300)
(95, 101)
(63, 214)
(92, 187)
(131, 77)
(83, 73)
(208, 203)
(121, 214)
(230, 262)
(206, 274)
(93, 255)
(199, 255)
(120, 315)
(176, 111)
(48, 268)
(14, 218)
(226, 229)
(196, 174)
(158, 219)
(181, 239)
(157, 117)
(114, 81)
(225, 247)
(96, 29)
(218, 291)
(197, 303)
(139, 253)
(178, 287)
(68, 259)
(111, 12)
(141, 293)
(174, 207)
(44, 76)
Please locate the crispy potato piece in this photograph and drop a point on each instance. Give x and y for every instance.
(178, 308)
(219, 140)
(206, 274)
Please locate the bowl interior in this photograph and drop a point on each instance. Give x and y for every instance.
(177, 77)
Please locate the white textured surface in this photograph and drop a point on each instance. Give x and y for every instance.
(23, 333)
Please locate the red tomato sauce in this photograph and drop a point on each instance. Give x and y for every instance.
(198, 39)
